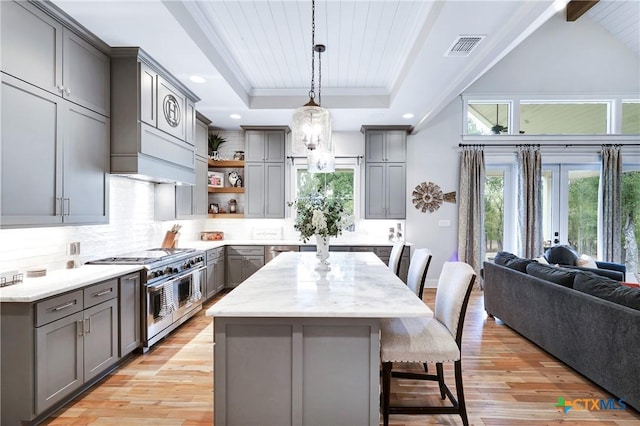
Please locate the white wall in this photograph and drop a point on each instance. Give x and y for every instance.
(432, 156)
(561, 58)
(565, 58)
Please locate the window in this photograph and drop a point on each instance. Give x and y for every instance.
(488, 118)
(499, 197)
(631, 117)
(563, 118)
(494, 212)
(570, 206)
(339, 184)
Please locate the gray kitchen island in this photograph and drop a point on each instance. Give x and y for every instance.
(298, 346)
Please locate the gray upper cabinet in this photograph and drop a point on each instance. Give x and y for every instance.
(386, 146)
(192, 201)
(385, 172)
(62, 162)
(385, 191)
(40, 50)
(202, 136)
(55, 125)
(85, 72)
(265, 145)
(264, 172)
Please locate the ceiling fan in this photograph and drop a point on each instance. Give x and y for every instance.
(498, 128)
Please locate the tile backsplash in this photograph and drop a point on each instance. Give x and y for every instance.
(132, 227)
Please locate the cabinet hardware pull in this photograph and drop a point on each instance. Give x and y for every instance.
(68, 206)
(131, 279)
(65, 306)
(68, 91)
(89, 327)
(80, 327)
(61, 209)
(60, 89)
(102, 293)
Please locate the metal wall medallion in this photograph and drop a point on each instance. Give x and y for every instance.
(429, 196)
(171, 110)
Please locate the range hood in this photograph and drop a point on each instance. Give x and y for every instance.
(153, 120)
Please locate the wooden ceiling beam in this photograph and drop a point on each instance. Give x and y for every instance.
(577, 8)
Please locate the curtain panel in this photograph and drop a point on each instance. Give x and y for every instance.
(529, 162)
(471, 238)
(610, 226)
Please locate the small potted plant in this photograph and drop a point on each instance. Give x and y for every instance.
(215, 140)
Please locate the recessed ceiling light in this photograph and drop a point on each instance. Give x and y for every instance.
(407, 115)
(236, 116)
(197, 79)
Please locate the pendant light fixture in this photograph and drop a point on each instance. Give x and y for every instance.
(311, 124)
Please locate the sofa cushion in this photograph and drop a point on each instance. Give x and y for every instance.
(561, 255)
(614, 275)
(562, 276)
(607, 289)
(512, 261)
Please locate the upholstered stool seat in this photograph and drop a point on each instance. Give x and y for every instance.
(417, 340)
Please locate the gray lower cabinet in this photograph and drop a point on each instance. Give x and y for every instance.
(58, 346)
(74, 349)
(62, 162)
(242, 262)
(215, 271)
(130, 315)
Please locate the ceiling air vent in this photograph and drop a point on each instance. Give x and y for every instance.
(463, 45)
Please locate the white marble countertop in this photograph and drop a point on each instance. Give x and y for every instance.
(61, 281)
(359, 285)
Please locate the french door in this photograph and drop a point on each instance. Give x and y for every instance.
(570, 206)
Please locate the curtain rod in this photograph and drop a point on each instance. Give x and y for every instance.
(565, 145)
(357, 157)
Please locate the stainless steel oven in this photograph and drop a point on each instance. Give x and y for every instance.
(173, 288)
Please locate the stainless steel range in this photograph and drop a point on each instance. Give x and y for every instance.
(173, 287)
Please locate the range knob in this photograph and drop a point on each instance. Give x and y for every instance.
(186, 265)
(168, 270)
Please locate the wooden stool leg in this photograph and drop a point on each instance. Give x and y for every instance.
(440, 373)
(386, 391)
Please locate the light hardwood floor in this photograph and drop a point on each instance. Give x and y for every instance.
(508, 381)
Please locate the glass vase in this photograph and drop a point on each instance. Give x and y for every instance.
(322, 252)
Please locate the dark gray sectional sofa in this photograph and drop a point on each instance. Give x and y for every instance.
(598, 338)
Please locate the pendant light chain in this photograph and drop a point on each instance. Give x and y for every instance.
(319, 78)
(312, 93)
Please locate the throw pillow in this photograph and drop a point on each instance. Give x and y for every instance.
(502, 257)
(562, 276)
(542, 260)
(607, 289)
(562, 255)
(586, 262)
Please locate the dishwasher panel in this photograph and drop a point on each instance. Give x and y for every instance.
(272, 251)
